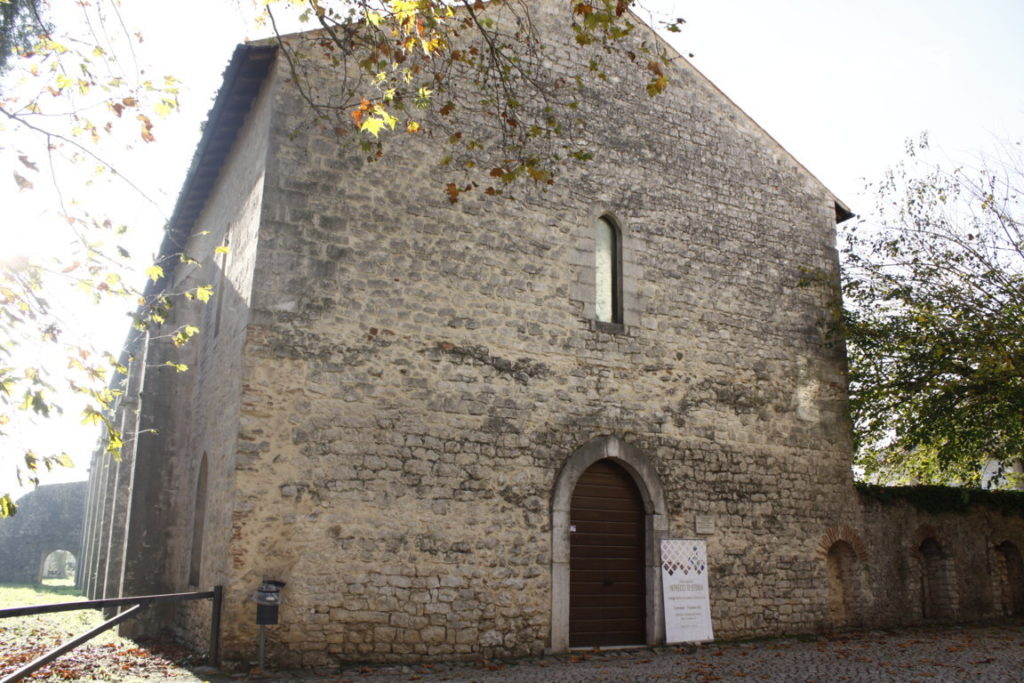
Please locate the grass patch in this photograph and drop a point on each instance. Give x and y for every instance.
(107, 657)
(23, 595)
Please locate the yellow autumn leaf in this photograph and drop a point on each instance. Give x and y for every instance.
(373, 126)
(154, 272)
(165, 107)
(388, 118)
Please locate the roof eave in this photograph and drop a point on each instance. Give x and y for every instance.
(243, 78)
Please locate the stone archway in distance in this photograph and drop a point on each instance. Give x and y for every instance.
(644, 474)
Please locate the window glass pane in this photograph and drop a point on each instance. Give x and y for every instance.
(604, 270)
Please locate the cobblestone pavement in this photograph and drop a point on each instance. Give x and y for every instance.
(988, 652)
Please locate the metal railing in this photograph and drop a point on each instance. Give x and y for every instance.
(137, 603)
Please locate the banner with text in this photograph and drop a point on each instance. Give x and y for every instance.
(684, 584)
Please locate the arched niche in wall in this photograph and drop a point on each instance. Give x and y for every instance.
(195, 563)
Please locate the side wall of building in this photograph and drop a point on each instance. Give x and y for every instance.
(110, 496)
(166, 507)
(206, 413)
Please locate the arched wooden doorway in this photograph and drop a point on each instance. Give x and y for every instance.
(607, 604)
(645, 480)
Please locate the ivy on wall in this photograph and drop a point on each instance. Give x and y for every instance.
(937, 499)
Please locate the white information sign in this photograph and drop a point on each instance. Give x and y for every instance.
(684, 583)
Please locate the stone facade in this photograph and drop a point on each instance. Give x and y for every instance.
(393, 395)
(49, 519)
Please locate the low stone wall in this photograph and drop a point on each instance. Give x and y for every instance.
(48, 519)
(920, 554)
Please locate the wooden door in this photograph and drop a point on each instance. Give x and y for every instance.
(607, 603)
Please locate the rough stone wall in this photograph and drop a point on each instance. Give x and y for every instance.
(49, 518)
(144, 508)
(418, 372)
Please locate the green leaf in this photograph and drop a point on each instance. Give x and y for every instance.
(154, 272)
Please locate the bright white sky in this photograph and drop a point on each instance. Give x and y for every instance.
(841, 85)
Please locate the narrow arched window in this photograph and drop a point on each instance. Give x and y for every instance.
(198, 526)
(607, 293)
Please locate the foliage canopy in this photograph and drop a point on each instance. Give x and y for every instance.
(934, 322)
(21, 21)
(433, 66)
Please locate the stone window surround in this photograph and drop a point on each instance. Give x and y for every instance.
(655, 530)
(586, 279)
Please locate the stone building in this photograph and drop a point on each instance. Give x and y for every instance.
(48, 526)
(410, 410)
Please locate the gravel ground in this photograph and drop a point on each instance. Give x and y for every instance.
(985, 652)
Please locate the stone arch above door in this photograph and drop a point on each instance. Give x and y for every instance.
(645, 475)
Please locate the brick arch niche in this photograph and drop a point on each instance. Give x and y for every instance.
(1008, 580)
(935, 577)
(842, 551)
(645, 476)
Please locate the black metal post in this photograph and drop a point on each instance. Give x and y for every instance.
(218, 599)
(263, 645)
